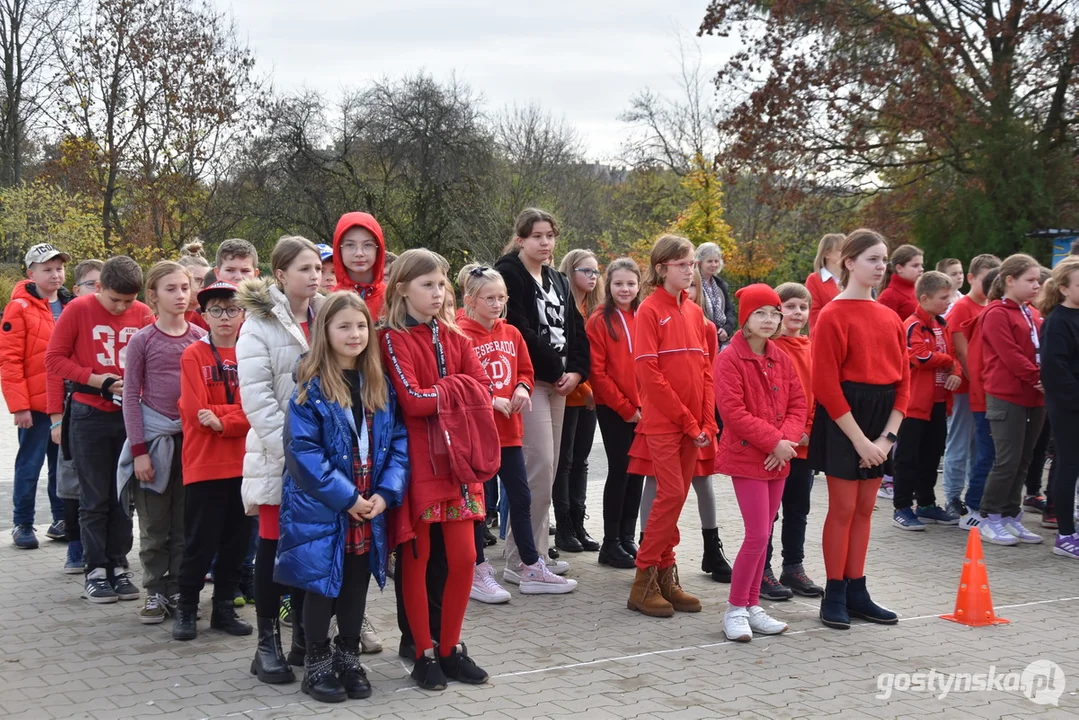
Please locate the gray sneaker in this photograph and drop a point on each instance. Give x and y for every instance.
(98, 589)
(369, 639)
(122, 585)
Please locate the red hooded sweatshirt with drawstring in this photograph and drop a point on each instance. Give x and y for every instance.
(374, 293)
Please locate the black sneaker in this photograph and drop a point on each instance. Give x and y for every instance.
(427, 672)
(794, 577)
(460, 667)
(224, 618)
(122, 585)
(98, 589)
(1034, 503)
(772, 589)
(488, 537)
(956, 507)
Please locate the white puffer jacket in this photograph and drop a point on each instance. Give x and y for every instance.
(269, 345)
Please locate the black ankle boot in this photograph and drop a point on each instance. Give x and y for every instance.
(565, 537)
(346, 663)
(833, 607)
(185, 626)
(319, 680)
(714, 561)
(224, 617)
(460, 667)
(299, 643)
(612, 554)
(269, 663)
(860, 605)
(629, 546)
(427, 672)
(587, 542)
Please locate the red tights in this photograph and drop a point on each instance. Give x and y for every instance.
(460, 559)
(846, 528)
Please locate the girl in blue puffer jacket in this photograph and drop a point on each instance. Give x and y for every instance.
(346, 462)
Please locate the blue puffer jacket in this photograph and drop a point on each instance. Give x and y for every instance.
(319, 488)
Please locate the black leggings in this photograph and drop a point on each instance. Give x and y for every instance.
(267, 592)
(1065, 469)
(796, 494)
(349, 605)
(1037, 461)
(71, 521)
(571, 475)
(622, 491)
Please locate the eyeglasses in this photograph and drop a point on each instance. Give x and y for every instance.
(688, 266)
(766, 314)
(86, 283)
(217, 311)
(590, 272)
(494, 300)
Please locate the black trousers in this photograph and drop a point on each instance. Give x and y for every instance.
(796, 494)
(97, 438)
(437, 572)
(622, 491)
(267, 591)
(214, 524)
(1065, 467)
(349, 605)
(1037, 461)
(571, 475)
(72, 532)
(917, 456)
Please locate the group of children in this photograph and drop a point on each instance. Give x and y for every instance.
(348, 405)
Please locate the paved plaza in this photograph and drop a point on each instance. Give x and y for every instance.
(581, 655)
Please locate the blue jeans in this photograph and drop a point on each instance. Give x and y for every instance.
(984, 457)
(960, 450)
(35, 446)
(518, 498)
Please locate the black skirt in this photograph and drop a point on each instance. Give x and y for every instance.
(832, 452)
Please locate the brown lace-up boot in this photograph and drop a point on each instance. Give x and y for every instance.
(674, 594)
(645, 597)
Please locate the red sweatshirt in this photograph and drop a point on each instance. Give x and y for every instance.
(800, 351)
(899, 296)
(87, 340)
(614, 376)
(963, 310)
(504, 356)
(972, 330)
(208, 454)
(821, 292)
(932, 360)
(1009, 354)
(375, 293)
(860, 341)
(674, 370)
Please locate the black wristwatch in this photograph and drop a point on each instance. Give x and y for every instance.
(891, 437)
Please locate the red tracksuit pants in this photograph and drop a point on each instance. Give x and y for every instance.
(674, 459)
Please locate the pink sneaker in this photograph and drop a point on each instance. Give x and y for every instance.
(539, 580)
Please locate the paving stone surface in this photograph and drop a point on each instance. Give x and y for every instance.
(582, 655)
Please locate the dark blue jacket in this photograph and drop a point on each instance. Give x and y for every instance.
(319, 488)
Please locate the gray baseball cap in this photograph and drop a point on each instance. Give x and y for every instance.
(44, 252)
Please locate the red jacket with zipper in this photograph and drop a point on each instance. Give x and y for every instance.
(761, 402)
(27, 327)
(504, 356)
(929, 366)
(1009, 368)
(800, 351)
(614, 376)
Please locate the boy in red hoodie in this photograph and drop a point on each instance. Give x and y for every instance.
(359, 256)
(215, 431)
(27, 326)
(934, 374)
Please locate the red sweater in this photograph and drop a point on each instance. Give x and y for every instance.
(674, 370)
(208, 454)
(1009, 367)
(87, 340)
(963, 310)
(503, 355)
(899, 296)
(932, 360)
(800, 351)
(858, 341)
(613, 376)
(821, 292)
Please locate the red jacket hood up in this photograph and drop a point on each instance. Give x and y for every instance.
(374, 293)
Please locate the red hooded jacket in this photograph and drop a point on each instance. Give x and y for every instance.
(899, 296)
(614, 376)
(504, 356)
(26, 329)
(373, 294)
(800, 351)
(929, 365)
(1009, 368)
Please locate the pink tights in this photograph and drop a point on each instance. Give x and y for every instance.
(759, 501)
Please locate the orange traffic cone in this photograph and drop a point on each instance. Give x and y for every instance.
(974, 604)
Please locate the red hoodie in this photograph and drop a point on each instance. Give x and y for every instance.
(800, 351)
(614, 377)
(375, 293)
(1009, 365)
(503, 354)
(899, 296)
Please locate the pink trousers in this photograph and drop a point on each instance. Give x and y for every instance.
(759, 502)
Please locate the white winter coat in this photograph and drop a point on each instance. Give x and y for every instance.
(270, 343)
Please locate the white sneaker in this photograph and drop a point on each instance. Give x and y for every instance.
(736, 624)
(511, 577)
(763, 623)
(992, 530)
(971, 521)
(539, 580)
(886, 491)
(1016, 528)
(485, 588)
(558, 567)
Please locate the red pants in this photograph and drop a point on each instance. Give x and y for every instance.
(460, 560)
(846, 527)
(674, 458)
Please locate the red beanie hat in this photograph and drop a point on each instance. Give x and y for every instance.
(753, 297)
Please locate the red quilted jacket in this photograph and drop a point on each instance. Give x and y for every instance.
(761, 402)
(26, 329)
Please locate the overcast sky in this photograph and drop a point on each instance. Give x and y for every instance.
(582, 61)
